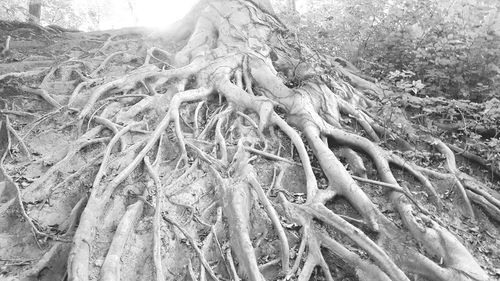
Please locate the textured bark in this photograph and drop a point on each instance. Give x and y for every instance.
(35, 11)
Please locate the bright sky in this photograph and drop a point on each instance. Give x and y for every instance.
(125, 13)
(160, 13)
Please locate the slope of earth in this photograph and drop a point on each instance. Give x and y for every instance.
(76, 110)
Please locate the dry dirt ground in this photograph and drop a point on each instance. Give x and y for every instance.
(54, 173)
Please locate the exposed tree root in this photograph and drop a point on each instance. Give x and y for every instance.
(156, 223)
(37, 190)
(18, 139)
(395, 188)
(197, 249)
(43, 94)
(50, 260)
(18, 113)
(104, 63)
(212, 104)
(6, 46)
(9, 183)
(71, 223)
(494, 170)
(479, 192)
(110, 270)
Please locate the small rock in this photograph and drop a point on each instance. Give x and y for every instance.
(474, 229)
(98, 262)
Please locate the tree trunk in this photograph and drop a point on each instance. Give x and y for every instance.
(244, 124)
(35, 11)
(292, 6)
(242, 52)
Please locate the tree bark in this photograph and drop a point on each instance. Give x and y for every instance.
(292, 6)
(35, 11)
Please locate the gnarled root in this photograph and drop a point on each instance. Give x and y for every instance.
(110, 270)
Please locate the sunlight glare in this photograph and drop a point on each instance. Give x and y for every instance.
(161, 13)
(146, 13)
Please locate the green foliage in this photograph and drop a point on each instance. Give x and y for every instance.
(433, 50)
(12, 10)
(403, 81)
(472, 126)
(452, 47)
(61, 13)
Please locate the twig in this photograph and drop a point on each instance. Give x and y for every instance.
(353, 220)
(248, 118)
(393, 187)
(103, 64)
(212, 236)
(396, 188)
(273, 181)
(262, 267)
(19, 140)
(196, 114)
(43, 94)
(71, 222)
(18, 113)
(229, 258)
(195, 247)
(92, 116)
(40, 120)
(273, 216)
(109, 148)
(6, 47)
(77, 90)
(124, 97)
(205, 157)
(53, 69)
(302, 247)
(188, 171)
(270, 155)
(191, 271)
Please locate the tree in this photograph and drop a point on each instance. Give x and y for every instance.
(292, 5)
(35, 10)
(13, 10)
(239, 88)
